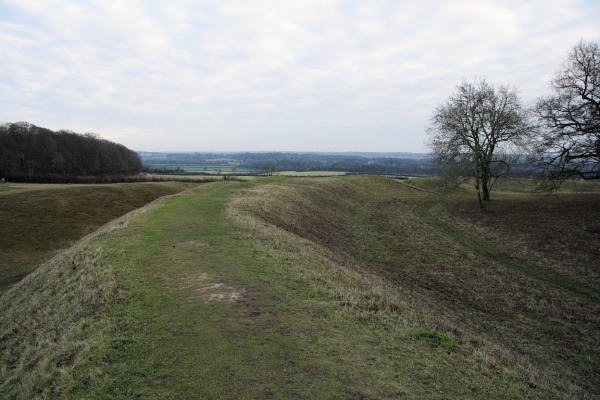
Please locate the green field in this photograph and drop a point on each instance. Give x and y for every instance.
(230, 170)
(356, 287)
(192, 178)
(212, 169)
(311, 173)
(201, 178)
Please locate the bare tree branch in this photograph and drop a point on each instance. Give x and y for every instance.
(569, 141)
(476, 132)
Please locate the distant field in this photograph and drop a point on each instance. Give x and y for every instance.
(310, 173)
(353, 287)
(38, 220)
(200, 168)
(232, 170)
(202, 178)
(248, 178)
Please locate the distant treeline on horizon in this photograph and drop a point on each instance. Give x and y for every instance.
(354, 162)
(389, 163)
(31, 153)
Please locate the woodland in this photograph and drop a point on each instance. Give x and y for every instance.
(29, 153)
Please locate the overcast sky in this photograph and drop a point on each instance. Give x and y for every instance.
(282, 75)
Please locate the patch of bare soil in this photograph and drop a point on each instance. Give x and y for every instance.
(205, 288)
(192, 243)
(219, 292)
(307, 216)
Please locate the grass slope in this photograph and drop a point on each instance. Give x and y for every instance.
(529, 306)
(338, 288)
(38, 220)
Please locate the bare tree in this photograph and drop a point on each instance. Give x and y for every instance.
(568, 145)
(476, 131)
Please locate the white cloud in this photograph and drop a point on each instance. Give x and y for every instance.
(265, 74)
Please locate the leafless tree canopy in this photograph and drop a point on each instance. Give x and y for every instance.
(475, 133)
(569, 143)
(26, 149)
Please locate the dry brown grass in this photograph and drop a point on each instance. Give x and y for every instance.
(396, 252)
(561, 229)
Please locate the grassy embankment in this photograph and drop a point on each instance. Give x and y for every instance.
(354, 287)
(36, 221)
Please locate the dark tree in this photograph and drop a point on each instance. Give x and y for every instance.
(568, 145)
(475, 133)
(27, 150)
(268, 169)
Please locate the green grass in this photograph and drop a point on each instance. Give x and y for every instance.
(38, 220)
(337, 288)
(283, 338)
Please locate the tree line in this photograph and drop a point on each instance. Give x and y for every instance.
(389, 163)
(387, 166)
(32, 153)
(483, 131)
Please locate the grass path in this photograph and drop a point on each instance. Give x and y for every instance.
(198, 322)
(207, 316)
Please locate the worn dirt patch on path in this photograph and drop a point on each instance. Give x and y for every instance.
(205, 288)
(219, 292)
(191, 243)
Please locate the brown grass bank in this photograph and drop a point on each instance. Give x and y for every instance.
(526, 304)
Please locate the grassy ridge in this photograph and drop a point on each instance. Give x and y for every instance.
(336, 288)
(474, 288)
(38, 220)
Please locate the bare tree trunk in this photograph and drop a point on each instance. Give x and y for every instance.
(477, 185)
(479, 195)
(485, 189)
